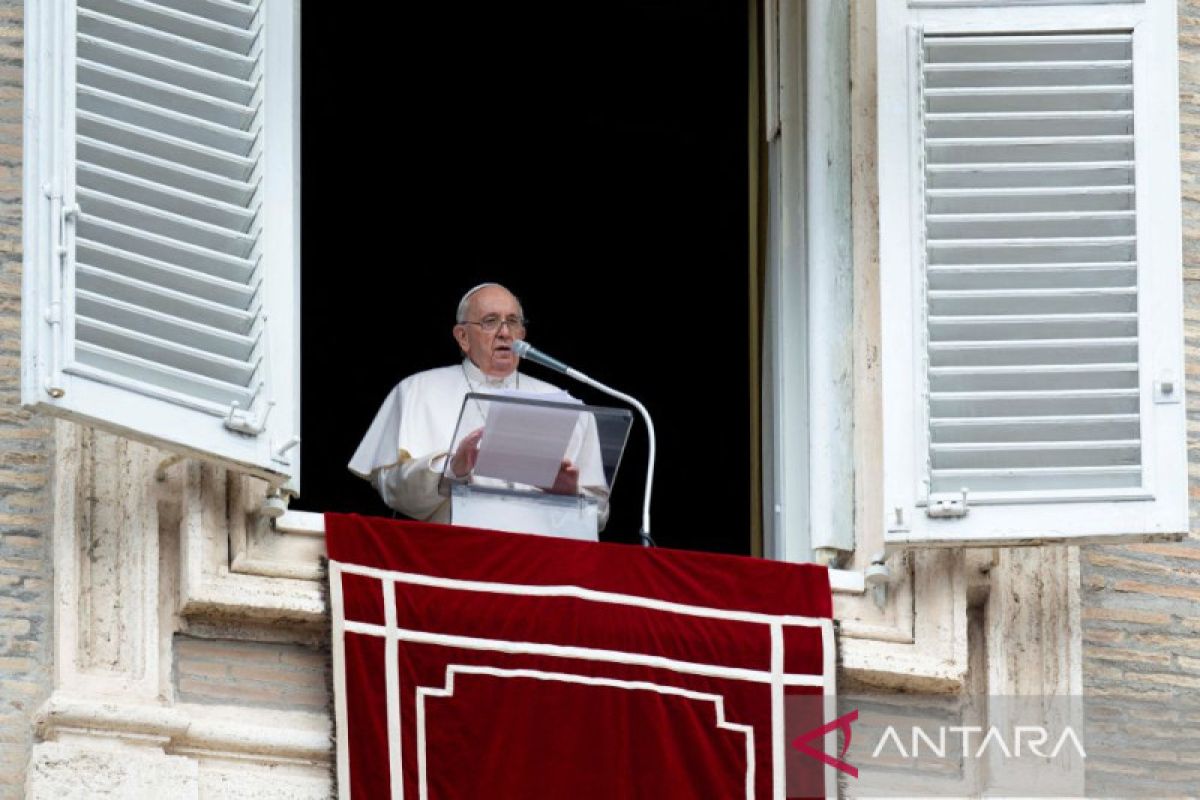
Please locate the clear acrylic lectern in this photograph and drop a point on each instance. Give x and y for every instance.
(505, 465)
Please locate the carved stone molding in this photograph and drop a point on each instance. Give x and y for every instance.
(1035, 652)
(96, 749)
(918, 642)
(105, 563)
(228, 567)
(1033, 619)
(256, 734)
(290, 550)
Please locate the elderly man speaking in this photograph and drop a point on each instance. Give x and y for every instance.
(403, 453)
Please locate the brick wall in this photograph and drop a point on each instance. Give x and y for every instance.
(1141, 603)
(25, 586)
(268, 675)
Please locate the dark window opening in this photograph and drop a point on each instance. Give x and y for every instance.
(593, 158)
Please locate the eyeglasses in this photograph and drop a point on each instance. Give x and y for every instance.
(492, 322)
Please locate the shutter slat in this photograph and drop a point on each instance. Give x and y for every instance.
(163, 248)
(1033, 403)
(162, 43)
(997, 327)
(238, 15)
(1026, 377)
(1021, 226)
(1118, 349)
(167, 198)
(1072, 145)
(1041, 394)
(166, 70)
(1033, 301)
(188, 387)
(1025, 123)
(1010, 455)
(996, 242)
(1030, 199)
(994, 73)
(169, 277)
(1028, 149)
(1000, 192)
(165, 352)
(165, 96)
(1034, 47)
(167, 301)
(1023, 175)
(1035, 479)
(165, 327)
(165, 224)
(1062, 427)
(1014, 250)
(149, 121)
(1005, 276)
(235, 39)
(1029, 98)
(189, 179)
(997, 93)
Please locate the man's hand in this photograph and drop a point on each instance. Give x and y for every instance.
(567, 480)
(466, 454)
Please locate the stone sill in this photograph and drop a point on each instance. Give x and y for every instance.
(312, 524)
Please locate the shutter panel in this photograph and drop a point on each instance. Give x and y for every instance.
(165, 160)
(1034, 215)
(1029, 179)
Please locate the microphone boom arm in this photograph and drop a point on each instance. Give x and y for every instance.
(525, 350)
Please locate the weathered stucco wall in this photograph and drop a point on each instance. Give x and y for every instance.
(25, 456)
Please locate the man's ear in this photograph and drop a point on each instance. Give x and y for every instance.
(460, 336)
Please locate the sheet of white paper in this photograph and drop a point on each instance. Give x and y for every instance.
(526, 444)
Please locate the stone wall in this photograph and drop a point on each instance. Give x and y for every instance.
(1141, 603)
(25, 457)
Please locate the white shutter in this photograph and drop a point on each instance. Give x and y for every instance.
(1031, 261)
(161, 210)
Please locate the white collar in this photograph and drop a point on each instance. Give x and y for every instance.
(476, 378)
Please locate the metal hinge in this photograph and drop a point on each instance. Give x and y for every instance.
(948, 505)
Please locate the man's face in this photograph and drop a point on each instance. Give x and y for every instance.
(491, 352)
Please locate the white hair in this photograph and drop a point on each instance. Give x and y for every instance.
(460, 315)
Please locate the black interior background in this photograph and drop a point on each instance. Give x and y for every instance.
(593, 158)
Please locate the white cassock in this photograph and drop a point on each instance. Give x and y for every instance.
(404, 451)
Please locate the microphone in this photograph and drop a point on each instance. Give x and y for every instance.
(525, 350)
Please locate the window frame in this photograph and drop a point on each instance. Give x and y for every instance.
(808, 383)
